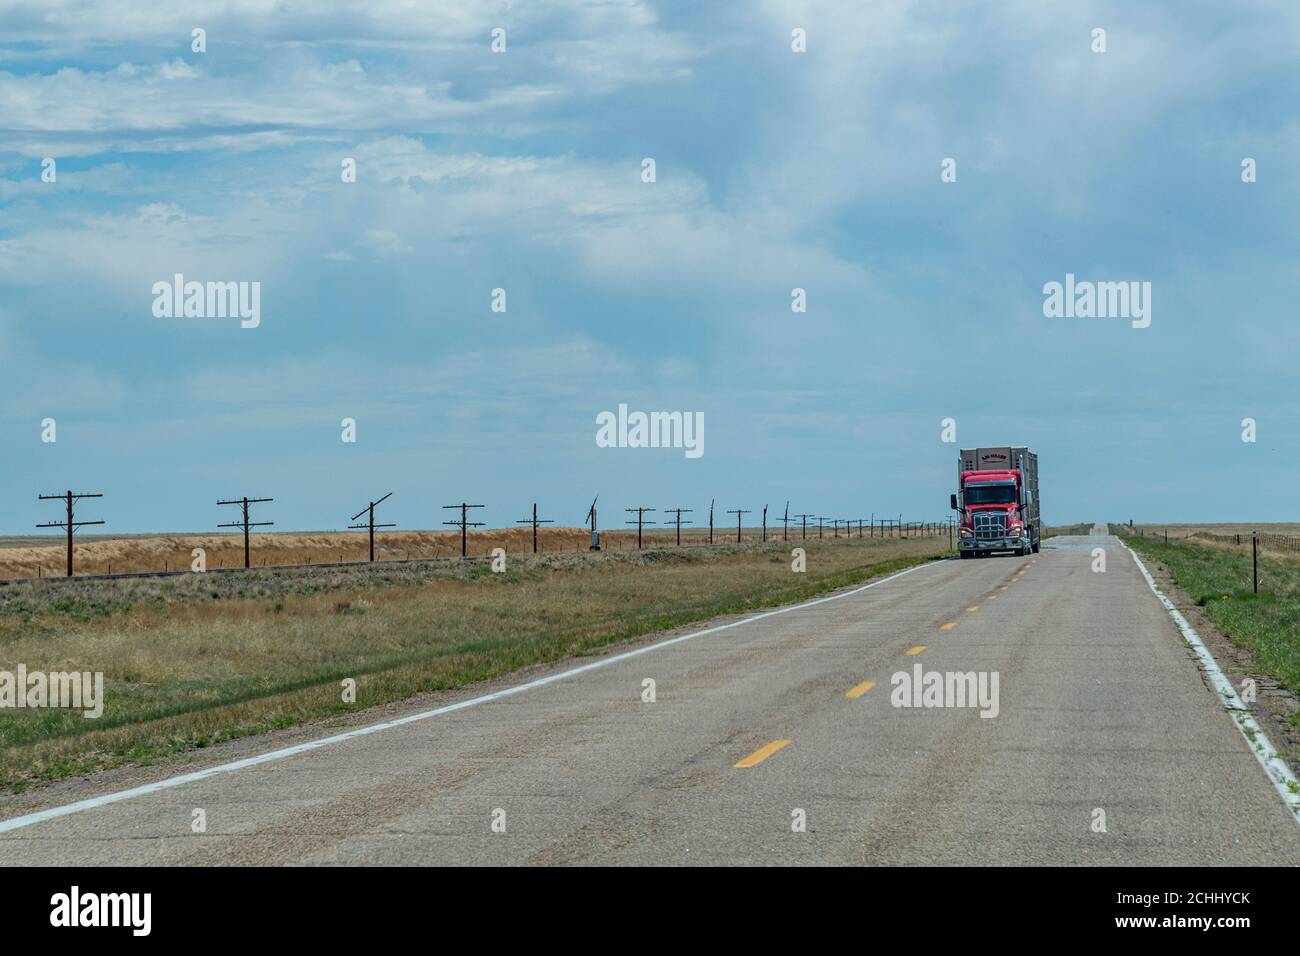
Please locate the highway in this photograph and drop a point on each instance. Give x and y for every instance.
(757, 726)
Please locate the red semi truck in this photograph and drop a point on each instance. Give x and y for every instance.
(997, 501)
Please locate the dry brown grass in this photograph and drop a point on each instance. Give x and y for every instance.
(1184, 530)
(22, 557)
(1214, 535)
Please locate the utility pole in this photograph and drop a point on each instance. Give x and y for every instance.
(738, 512)
(835, 527)
(804, 519)
(535, 521)
(1255, 559)
(678, 512)
(464, 521)
(70, 524)
(640, 520)
(820, 519)
(785, 523)
(371, 522)
(711, 500)
(591, 516)
(245, 523)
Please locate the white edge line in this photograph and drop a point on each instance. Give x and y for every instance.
(17, 823)
(1284, 781)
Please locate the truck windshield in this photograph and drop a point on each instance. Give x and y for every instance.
(992, 494)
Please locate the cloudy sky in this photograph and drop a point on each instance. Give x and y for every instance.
(522, 170)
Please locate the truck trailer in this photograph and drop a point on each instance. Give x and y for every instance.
(997, 501)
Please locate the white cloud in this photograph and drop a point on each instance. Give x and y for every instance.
(270, 71)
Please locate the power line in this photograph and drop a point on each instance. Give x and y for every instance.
(677, 513)
(371, 522)
(70, 524)
(640, 520)
(738, 512)
(804, 518)
(464, 521)
(245, 523)
(535, 521)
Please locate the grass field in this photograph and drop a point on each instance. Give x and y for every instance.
(196, 659)
(1219, 579)
(1280, 539)
(1190, 530)
(30, 556)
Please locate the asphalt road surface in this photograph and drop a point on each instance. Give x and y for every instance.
(1100, 708)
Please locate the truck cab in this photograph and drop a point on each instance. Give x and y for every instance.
(998, 507)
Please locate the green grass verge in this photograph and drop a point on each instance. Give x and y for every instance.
(1219, 580)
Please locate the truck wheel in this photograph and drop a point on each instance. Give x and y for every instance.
(964, 554)
(1037, 545)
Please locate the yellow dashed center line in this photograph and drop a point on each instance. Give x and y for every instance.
(762, 753)
(993, 597)
(972, 610)
(916, 650)
(949, 626)
(861, 689)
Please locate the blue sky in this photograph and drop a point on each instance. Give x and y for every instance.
(521, 170)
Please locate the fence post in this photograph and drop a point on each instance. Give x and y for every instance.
(1254, 558)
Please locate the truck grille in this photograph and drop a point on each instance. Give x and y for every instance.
(990, 525)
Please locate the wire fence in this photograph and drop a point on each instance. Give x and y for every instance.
(1287, 543)
(1276, 542)
(391, 545)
